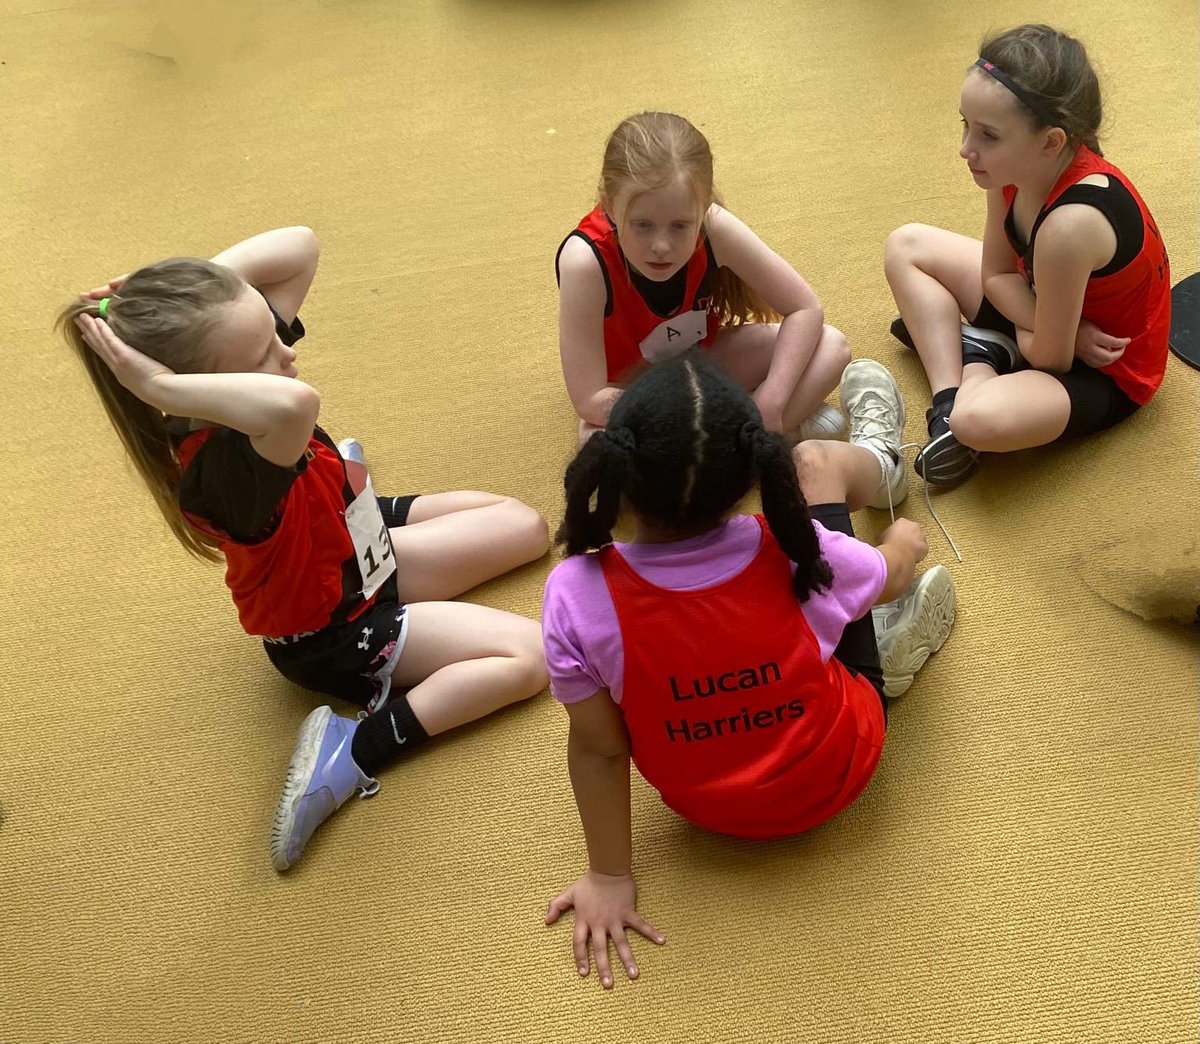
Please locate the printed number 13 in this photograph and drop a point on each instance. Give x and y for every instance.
(369, 553)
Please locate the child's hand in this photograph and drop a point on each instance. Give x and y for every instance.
(604, 907)
(135, 370)
(906, 533)
(1095, 347)
(107, 290)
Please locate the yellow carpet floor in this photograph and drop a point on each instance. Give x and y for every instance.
(1023, 867)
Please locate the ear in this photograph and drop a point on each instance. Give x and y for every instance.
(1054, 141)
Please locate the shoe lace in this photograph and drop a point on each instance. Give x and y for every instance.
(928, 502)
(872, 415)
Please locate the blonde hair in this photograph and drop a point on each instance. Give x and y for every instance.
(1055, 70)
(649, 151)
(167, 311)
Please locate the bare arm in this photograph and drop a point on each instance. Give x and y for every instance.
(598, 760)
(738, 248)
(1003, 285)
(1073, 241)
(277, 413)
(581, 300)
(281, 263)
(605, 897)
(902, 546)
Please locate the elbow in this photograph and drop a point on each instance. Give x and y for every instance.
(301, 406)
(1048, 362)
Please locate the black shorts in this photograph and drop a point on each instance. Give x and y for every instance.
(353, 661)
(1097, 402)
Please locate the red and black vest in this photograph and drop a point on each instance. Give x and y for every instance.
(633, 332)
(1129, 297)
(732, 716)
(304, 575)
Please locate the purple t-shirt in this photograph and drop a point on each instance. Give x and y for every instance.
(579, 622)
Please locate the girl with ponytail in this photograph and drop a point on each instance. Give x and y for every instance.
(732, 657)
(195, 363)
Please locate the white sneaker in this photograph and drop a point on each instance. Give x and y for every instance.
(872, 400)
(915, 626)
(826, 422)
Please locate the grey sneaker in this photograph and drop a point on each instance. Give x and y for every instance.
(826, 422)
(321, 776)
(915, 626)
(872, 401)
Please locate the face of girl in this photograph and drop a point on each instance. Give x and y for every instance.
(246, 341)
(998, 141)
(658, 229)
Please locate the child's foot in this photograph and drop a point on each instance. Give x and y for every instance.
(321, 776)
(355, 460)
(943, 460)
(998, 350)
(915, 626)
(872, 401)
(826, 422)
(899, 331)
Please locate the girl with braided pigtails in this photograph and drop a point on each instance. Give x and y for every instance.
(733, 657)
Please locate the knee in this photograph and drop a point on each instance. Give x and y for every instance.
(812, 461)
(528, 528)
(836, 347)
(529, 652)
(902, 247)
(973, 423)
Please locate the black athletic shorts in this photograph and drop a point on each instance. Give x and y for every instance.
(1096, 401)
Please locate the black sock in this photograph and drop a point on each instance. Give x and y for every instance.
(943, 399)
(382, 737)
(394, 510)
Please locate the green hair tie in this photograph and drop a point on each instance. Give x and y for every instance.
(103, 307)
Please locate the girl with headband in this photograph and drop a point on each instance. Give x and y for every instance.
(1066, 299)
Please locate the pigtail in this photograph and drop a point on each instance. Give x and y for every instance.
(600, 469)
(785, 508)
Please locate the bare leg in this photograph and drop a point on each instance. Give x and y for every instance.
(1015, 411)
(455, 541)
(935, 279)
(462, 661)
(746, 354)
(832, 472)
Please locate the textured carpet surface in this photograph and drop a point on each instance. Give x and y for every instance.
(1023, 867)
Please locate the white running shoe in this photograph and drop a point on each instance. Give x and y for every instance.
(826, 422)
(915, 626)
(872, 400)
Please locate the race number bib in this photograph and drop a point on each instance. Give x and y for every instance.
(372, 544)
(675, 335)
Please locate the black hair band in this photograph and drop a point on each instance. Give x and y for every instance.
(1022, 95)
